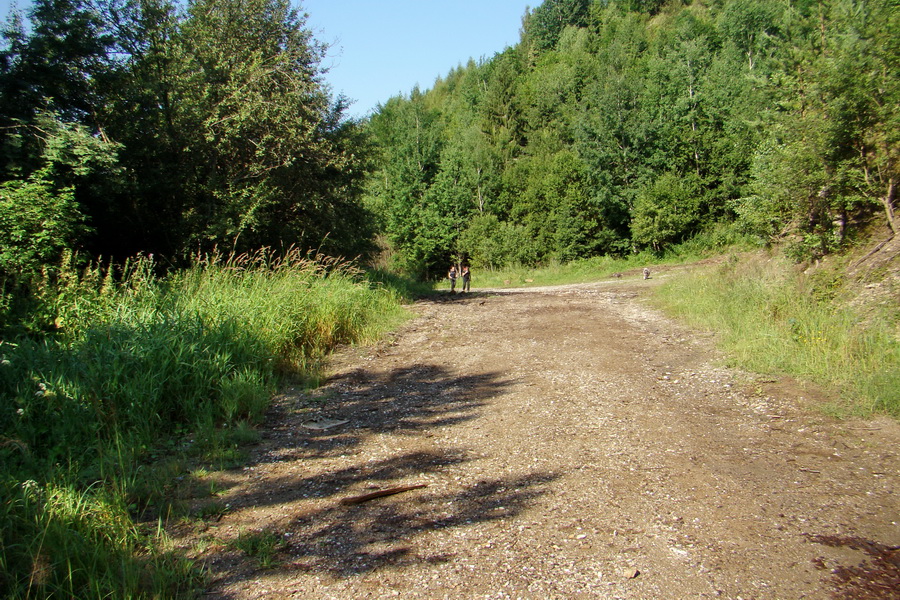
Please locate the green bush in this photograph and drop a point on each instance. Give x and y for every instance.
(666, 211)
(36, 224)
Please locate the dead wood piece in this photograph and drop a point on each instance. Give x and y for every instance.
(321, 424)
(380, 494)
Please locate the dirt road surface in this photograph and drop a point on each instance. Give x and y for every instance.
(572, 443)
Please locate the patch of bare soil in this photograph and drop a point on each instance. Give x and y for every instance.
(565, 442)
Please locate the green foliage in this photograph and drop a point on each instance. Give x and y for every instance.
(831, 158)
(772, 321)
(183, 129)
(36, 224)
(136, 364)
(615, 125)
(546, 22)
(713, 241)
(666, 211)
(492, 244)
(41, 217)
(409, 136)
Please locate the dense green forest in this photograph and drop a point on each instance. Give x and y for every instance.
(620, 126)
(148, 126)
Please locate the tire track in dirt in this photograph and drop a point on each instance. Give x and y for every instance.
(574, 443)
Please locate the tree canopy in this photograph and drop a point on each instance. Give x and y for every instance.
(176, 128)
(617, 125)
(612, 126)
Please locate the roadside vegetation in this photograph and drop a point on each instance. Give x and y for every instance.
(771, 317)
(142, 377)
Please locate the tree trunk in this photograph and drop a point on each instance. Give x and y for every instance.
(888, 201)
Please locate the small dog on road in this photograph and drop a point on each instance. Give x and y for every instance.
(646, 273)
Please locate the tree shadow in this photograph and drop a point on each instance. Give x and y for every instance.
(350, 540)
(346, 541)
(406, 401)
(873, 578)
(319, 533)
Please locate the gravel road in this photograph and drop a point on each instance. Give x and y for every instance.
(572, 442)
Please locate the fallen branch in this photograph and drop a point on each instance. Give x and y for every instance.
(876, 249)
(380, 494)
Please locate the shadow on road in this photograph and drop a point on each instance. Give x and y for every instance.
(318, 533)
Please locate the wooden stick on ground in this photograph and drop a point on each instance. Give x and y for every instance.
(381, 494)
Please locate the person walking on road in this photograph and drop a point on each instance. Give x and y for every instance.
(466, 277)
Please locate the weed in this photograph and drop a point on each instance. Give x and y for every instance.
(262, 546)
(141, 374)
(211, 510)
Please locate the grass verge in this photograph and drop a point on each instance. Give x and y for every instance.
(772, 319)
(142, 368)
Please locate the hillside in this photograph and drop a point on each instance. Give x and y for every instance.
(625, 126)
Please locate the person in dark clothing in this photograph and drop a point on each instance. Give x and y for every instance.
(466, 277)
(452, 276)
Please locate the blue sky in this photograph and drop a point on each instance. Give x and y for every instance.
(381, 48)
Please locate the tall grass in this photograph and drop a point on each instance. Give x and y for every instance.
(63, 542)
(771, 319)
(136, 362)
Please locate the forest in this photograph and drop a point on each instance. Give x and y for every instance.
(149, 127)
(144, 126)
(615, 127)
(188, 217)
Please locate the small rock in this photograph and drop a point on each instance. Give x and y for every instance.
(630, 573)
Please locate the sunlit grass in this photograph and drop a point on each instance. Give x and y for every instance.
(62, 542)
(144, 376)
(771, 320)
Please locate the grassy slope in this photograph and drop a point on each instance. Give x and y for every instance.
(822, 324)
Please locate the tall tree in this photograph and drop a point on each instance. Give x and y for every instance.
(409, 135)
(60, 66)
(545, 24)
(833, 155)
